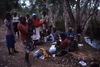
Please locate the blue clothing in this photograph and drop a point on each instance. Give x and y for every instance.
(70, 34)
(10, 40)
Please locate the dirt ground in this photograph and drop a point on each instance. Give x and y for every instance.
(86, 53)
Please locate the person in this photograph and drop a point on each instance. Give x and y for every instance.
(15, 21)
(10, 35)
(56, 34)
(62, 47)
(31, 31)
(36, 23)
(73, 46)
(49, 37)
(70, 33)
(45, 20)
(23, 28)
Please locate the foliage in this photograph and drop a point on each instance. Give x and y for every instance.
(7, 5)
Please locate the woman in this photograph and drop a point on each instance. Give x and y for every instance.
(10, 36)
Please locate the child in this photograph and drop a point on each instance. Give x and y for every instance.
(10, 36)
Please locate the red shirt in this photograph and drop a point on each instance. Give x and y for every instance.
(64, 43)
(36, 22)
(25, 28)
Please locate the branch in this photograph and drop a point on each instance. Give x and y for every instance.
(78, 11)
(84, 8)
(90, 16)
(71, 16)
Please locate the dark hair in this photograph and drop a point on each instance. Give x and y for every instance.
(27, 15)
(44, 13)
(15, 13)
(22, 19)
(8, 16)
(62, 35)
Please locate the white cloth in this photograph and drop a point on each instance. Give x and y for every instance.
(35, 54)
(15, 19)
(52, 49)
(37, 35)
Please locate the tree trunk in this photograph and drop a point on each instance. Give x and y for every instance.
(78, 12)
(65, 16)
(71, 16)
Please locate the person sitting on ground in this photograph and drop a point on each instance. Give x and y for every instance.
(49, 37)
(73, 45)
(62, 47)
(56, 34)
(70, 33)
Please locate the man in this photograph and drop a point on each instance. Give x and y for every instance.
(36, 23)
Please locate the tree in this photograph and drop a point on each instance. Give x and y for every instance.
(7, 5)
(81, 8)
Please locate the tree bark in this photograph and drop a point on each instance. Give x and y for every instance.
(65, 16)
(71, 16)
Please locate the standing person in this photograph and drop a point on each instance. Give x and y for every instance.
(36, 23)
(10, 35)
(45, 20)
(15, 21)
(23, 28)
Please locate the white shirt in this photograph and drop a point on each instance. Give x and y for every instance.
(15, 19)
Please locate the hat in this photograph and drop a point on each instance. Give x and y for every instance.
(34, 14)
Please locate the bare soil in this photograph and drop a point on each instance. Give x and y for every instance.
(86, 53)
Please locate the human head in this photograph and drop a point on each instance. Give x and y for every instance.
(70, 29)
(63, 36)
(44, 13)
(8, 16)
(34, 16)
(23, 20)
(15, 14)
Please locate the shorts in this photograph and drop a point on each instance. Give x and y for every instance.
(10, 40)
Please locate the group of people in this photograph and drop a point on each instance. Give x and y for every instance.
(32, 31)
